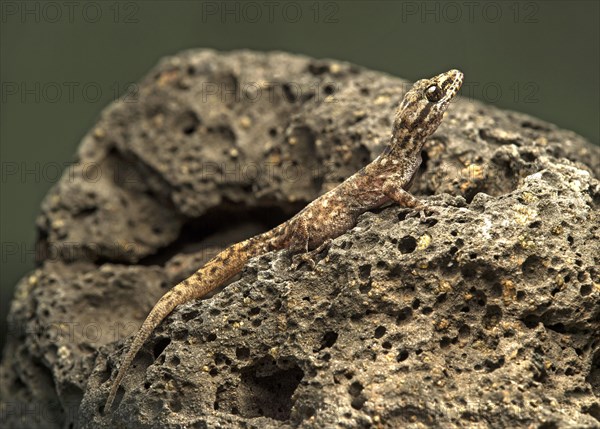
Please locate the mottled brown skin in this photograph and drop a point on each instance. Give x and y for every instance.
(386, 179)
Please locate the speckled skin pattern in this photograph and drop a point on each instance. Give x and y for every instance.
(385, 179)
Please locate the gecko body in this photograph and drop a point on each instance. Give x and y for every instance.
(386, 179)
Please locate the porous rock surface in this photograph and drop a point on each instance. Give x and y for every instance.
(484, 314)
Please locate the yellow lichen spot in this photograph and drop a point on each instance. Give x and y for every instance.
(292, 141)
(528, 197)
(335, 68)
(382, 99)
(275, 159)
(444, 287)
(468, 297)
(474, 172)
(465, 186)
(63, 352)
(442, 325)
(233, 152)
(557, 230)
(32, 280)
(424, 265)
(58, 223)
(423, 242)
(526, 242)
(479, 345)
(524, 214)
(99, 133)
(509, 291)
(205, 368)
(245, 121)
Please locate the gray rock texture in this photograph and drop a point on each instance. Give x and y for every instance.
(485, 314)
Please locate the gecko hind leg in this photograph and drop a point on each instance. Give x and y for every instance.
(310, 256)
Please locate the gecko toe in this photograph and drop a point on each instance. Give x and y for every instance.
(302, 258)
(423, 211)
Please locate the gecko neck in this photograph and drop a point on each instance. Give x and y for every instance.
(403, 146)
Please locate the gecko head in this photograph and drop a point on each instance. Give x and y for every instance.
(423, 106)
(442, 88)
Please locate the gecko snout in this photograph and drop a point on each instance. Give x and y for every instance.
(452, 83)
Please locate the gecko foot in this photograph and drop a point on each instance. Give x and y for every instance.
(310, 256)
(423, 211)
(302, 258)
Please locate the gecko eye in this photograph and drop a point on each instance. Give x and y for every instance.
(433, 93)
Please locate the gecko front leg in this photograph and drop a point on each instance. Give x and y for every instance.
(393, 189)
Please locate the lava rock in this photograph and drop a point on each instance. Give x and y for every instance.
(484, 313)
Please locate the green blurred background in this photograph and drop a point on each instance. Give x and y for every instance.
(539, 57)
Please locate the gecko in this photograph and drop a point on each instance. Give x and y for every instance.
(384, 180)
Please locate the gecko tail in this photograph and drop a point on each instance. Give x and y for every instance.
(162, 309)
(212, 275)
